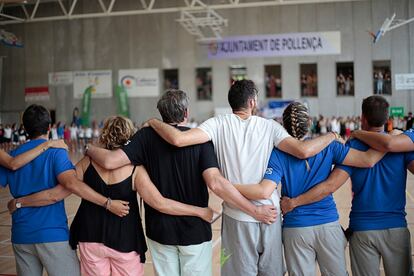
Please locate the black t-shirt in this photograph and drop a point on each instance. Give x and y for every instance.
(410, 122)
(177, 173)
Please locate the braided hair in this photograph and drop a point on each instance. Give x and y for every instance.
(296, 120)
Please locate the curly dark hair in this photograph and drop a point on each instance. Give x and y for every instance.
(116, 132)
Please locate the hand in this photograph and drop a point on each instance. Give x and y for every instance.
(58, 144)
(340, 140)
(207, 214)
(396, 132)
(338, 137)
(11, 205)
(119, 208)
(354, 134)
(287, 204)
(266, 213)
(145, 124)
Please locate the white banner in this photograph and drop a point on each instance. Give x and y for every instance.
(404, 81)
(293, 44)
(140, 82)
(101, 80)
(60, 78)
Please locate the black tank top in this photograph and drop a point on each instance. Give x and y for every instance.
(93, 223)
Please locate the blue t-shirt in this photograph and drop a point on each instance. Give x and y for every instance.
(379, 192)
(60, 130)
(38, 224)
(410, 133)
(297, 178)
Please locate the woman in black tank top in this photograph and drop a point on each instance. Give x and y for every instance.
(109, 243)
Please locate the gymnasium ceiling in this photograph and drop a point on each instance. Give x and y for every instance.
(26, 11)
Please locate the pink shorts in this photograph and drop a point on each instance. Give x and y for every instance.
(100, 260)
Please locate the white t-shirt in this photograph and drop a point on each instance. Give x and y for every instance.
(7, 133)
(73, 132)
(243, 148)
(81, 133)
(88, 133)
(54, 134)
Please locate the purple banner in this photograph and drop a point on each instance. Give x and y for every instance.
(293, 44)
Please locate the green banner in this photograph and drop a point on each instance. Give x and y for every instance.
(123, 106)
(397, 111)
(86, 106)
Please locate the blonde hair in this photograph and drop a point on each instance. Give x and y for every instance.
(116, 132)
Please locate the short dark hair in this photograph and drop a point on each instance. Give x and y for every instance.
(36, 120)
(375, 110)
(240, 93)
(172, 106)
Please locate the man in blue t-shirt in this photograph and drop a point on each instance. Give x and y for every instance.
(312, 233)
(40, 234)
(377, 218)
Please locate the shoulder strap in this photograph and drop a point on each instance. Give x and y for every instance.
(133, 179)
(133, 170)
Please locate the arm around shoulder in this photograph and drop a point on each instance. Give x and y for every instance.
(108, 159)
(307, 148)
(385, 142)
(176, 137)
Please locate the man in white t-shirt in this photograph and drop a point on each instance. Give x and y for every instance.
(243, 144)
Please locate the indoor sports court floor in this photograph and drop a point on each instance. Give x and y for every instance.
(342, 198)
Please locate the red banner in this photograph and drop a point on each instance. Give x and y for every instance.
(36, 93)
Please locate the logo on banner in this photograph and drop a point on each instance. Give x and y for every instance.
(140, 82)
(213, 48)
(128, 82)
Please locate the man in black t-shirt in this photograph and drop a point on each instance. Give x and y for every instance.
(179, 245)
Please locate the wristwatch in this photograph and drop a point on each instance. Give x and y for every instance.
(18, 205)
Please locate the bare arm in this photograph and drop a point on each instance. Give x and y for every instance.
(176, 137)
(335, 180)
(263, 190)
(363, 159)
(225, 190)
(307, 148)
(39, 199)
(69, 181)
(150, 194)
(385, 142)
(108, 159)
(14, 163)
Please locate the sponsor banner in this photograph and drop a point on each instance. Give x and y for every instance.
(140, 82)
(101, 82)
(292, 44)
(397, 111)
(404, 81)
(34, 94)
(60, 78)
